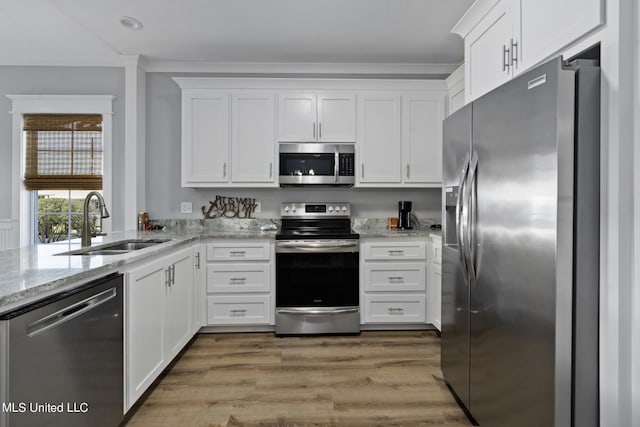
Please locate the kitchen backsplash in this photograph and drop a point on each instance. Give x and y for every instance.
(365, 203)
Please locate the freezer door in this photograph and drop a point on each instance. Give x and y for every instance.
(520, 345)
(455, 289)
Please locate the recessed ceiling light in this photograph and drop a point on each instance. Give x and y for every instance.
(130, 23)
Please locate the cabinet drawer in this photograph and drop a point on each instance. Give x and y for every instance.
(394, 308)
(387, 276)
(239, 310)
(241, 277)
(395, 251)
(238, 251)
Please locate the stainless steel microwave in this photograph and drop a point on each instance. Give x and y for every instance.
(317, 164)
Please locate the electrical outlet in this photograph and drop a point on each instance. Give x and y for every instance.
(186, 207)
(258, 207)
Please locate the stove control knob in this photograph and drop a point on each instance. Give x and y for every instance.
(293, 209)
(286, 208)
(344, 209)
(330, 209)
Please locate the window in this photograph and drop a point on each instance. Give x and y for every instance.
(63, 162)
(24, 232)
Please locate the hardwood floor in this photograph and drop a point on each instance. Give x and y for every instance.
(375, 379)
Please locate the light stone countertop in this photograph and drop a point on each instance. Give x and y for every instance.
(33, 273)
(30, 274)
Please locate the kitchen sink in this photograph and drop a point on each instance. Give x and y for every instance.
(116, 248)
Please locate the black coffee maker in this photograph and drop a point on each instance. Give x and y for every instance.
(404, 215)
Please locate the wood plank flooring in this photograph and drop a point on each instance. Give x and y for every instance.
(381, 378)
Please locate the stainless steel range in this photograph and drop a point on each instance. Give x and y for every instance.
(317, 267)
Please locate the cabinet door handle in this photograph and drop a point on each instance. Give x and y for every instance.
(270, 170)
(237, 279)
(320, 130)
(314, 130)
(514, 52)
(362, 169)
(224, 170)
(395, 310)
(238, 312)
(398, 252)
(505, 58)
(237, 253)
(198, 260)
(173, 274)
(167, 277)
(395, 278)
(407, 170)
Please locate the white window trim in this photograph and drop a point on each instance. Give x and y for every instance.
(54, 104)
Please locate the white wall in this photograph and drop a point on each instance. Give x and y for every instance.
(31, 80)
(164, 192)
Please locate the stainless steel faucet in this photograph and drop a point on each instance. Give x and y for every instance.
(104, 213)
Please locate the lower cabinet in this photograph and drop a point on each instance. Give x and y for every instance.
(393, 273)
(159, 318)
(239, 282)
(434, 281)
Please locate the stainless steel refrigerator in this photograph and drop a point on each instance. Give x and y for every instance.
(520, 256)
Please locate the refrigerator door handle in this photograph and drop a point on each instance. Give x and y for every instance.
(470, 204)
(460, 211)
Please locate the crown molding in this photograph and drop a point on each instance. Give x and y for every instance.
(473, 15)
(298, 68)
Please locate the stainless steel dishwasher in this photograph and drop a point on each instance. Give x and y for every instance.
(62, 359)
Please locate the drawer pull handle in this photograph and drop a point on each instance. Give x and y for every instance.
(395, 310)
(237, 253)
(396, 252)
(238, 279)
(238, 312)
(395, 278)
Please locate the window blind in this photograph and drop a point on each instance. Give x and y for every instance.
(63, 151)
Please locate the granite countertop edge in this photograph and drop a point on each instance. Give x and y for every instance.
(19, 288)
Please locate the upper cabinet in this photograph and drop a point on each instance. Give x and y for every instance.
(205, 137)
(317, 117)
(231, 128)
(379, 138)
(228, 137)
(400, 138)
(253, 135)
(503, 38)
(422, 115)
(491, 49)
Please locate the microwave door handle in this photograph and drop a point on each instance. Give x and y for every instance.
(336, 164)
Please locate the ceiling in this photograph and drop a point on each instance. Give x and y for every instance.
(232, 31)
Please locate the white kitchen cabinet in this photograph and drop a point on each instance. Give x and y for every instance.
(159, 316)
(316, 117)
(455, 90)
(434, 281)
(240, 278)
(400, 138)
(491, 49)
(253, 137)
(548, 25)
(503, 38)
(228, 138)
(422, 116)
(379, 146)
(393, 281)
(205, 137)
(178, 302)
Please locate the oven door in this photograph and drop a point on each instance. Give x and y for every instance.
(316, 274)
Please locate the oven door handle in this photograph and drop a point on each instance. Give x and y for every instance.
(347, 246)
(317, 310)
